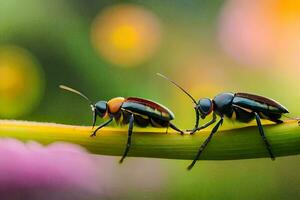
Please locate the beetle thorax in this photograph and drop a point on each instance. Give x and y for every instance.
(114, 105)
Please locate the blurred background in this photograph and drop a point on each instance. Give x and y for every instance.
(114, 48)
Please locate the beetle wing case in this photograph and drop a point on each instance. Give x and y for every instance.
(148, 108)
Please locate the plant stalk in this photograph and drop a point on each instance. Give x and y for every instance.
(238, 143)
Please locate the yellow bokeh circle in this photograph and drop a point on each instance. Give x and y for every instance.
(126, 35)
(21, 82)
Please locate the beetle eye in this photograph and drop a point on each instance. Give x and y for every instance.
(205, 106)
(101, 108)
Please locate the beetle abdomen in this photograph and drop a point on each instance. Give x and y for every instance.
(258, 103)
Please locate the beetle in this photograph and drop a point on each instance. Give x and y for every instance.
(131, 110)
(243, 107)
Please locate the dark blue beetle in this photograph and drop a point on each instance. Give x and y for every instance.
(242, 107)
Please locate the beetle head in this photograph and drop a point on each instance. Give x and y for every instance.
(205, 107)
(100, 108)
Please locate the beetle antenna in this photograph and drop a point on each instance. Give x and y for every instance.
(85, 97)
(76, 92)
(163, 76)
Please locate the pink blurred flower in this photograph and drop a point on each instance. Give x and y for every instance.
(261, 32)
(58, 171)
(66, 171)
(245, 31)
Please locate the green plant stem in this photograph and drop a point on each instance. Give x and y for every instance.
(239, 143)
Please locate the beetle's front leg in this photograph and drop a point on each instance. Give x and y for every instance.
(197, 120)
(101, 126)
(213, 120)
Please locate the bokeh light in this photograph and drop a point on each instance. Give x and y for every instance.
(261, 33)
(21, 82)
(126, 35)
(245, 32)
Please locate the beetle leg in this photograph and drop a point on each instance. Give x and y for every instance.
(204, 144)
(131, 120)
(101, 126)
(197, 118)
(175, 128)
(94, 117)
(167, 129)
(213, 120)
(261, 131)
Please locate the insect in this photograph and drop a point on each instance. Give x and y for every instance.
(242, 107)
(131, 110)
